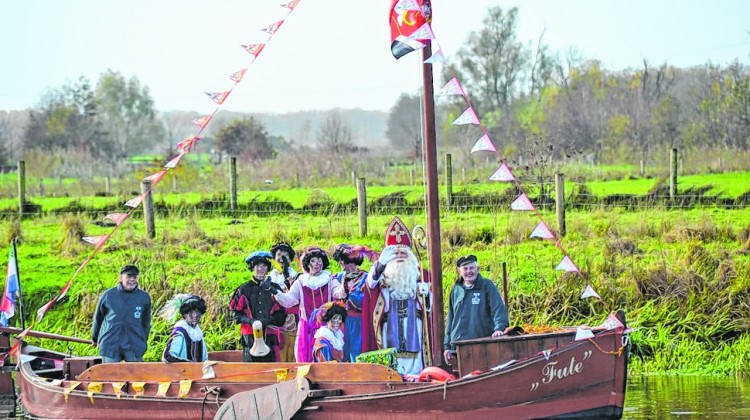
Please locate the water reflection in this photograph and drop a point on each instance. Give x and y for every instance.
(690, 397)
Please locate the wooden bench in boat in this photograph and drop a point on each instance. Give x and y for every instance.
(237, 372)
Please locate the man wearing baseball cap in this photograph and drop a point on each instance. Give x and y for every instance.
(475, 308)
(122, 319)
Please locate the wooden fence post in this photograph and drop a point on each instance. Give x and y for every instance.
(21, 186)
(411, 176)
(673, 174)
(174, 183)
(148, 208)
(233, 183)
(643, 167)
(560, 202)
(354, 177)
(362, 206)
(449, 179)
(107, 185)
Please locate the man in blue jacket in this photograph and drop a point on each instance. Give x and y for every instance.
(122, 320)
(475, 309)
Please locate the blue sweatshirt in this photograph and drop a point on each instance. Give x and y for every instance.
(122, 321)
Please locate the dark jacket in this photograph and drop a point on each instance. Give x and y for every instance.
(252, 302)
(475, 312)
(122, 321)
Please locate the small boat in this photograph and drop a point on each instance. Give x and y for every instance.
(546, 375)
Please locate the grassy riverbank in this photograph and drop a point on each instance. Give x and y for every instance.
(683, 277)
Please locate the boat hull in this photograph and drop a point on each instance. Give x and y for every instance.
(581, 379)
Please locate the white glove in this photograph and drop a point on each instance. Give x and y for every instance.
(387, 255)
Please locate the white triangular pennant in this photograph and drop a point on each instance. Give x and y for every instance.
(522, 203)
(542, 231)
(546, 354)
(95, 240)
(583, 334)
(611, 323)
(484, 144)
(503, 174)
(589, 292)
(173, 163)
(406, 5)
(118, 218)
(567, 265)
(424, 32)
(156, 177)
(468, 117)
(436, 58)
(452, 88)
(135, 201)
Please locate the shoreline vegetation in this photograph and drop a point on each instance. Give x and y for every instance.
(682, 273)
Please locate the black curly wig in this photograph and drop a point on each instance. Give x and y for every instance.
(191, 303)
(285, 247)
(314, 252)
(333, 311)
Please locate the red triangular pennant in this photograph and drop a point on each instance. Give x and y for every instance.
(218, 97)
(237, 76)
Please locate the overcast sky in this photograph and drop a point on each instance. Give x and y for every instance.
(328, 53)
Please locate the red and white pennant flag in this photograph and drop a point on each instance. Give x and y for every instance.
(567, 265)
(468, 117)
(542, 231)
(155, 178)
(202, 122)
(96, 240)
(173, 163)
(522, 203)
(238, 75)
(452, 88)
(218, 97)
(291, 5)
(253, 49)
(503, 174)
(272, 28)
(589, 292)
(436, 58)
(135, 201)
(484, 144)
(118, 218)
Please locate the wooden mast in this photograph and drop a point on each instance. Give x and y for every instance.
(433, 209)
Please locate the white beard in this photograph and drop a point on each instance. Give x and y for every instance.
(401, 276)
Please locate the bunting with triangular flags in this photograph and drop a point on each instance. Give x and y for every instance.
(96, 240)
(218, 97)
(468, 117)
(291, 5)
(567, 265)
(453, 87)
(187, 144)
(135, 201)
(424, 32)
(542, 231)
(503, 174)
(522, 203)
(173, 163)
(253, 49)
(484, 144)
(272, 28)
(43, 310)
(589, 292)
(238, 75)
(118, 218)
(611, 323)
(202, 122)
(156, 177)
(436, 58)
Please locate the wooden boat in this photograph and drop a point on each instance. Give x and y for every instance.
(528, 376)
(549, 375)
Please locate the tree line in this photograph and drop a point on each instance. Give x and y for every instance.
(535, 104)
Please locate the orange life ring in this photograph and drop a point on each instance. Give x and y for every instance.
(435, 374)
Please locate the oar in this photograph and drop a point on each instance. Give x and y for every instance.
(39, 334)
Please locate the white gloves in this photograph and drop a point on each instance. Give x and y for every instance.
(387, 255)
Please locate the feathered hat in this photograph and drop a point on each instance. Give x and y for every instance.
(353, 254)
(311, 252)
(182, 303)
(258, 257)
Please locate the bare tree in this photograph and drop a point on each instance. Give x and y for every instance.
(404, 125)
(336, 135)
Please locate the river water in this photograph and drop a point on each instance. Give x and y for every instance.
(687, 397)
